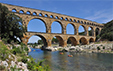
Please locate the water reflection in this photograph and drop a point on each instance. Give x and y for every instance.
(79, 61)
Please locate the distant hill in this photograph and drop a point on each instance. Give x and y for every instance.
(107, 31)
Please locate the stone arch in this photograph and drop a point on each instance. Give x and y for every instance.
(62, 18)
(28, 12)
(84, 22)
(56, 17)
(74, 28)
(51, 16)
(70, 19)
(81, 22)
(14, 10)
(91, 40)
(34, 13)
(78, 21)
(60, 25)
(61, 41)
(40, 20)
(42, 37)
(83, 41)
(40, 14)
(87, 23)
(73, 41)
(21, 11)
(97, 31)
(91, 31)
(74, 20)
(66, 19)
(84, 28)
(46, 15)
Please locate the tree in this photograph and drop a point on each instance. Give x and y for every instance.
(40, 41)
(11, 25)
(55, 40)
(107, 31)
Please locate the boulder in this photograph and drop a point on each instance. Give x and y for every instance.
(5, 63)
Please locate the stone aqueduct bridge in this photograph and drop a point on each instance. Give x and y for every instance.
(48, 18)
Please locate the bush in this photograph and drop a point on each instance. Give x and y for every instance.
(103, 47)
(24, 60)
(2, 67)
(98, 48)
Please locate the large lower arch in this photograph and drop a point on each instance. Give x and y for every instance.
(83, 41)
(72, 41)
(42, 38)
(70, 29)
(91, 40)
(56, 27)
(97, 31)
(91, 31)
(60, 40)
(82, 30)
(37, 25)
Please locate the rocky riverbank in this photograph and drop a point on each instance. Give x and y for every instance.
(98, 47)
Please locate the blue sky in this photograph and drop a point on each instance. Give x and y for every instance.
(100, 11)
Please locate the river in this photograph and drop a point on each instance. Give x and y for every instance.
(79, 61)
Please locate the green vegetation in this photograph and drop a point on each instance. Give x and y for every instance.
(21, 54)
(11, 26)
(98, 48)
(40, 41)
(54, 40)
(107, 31)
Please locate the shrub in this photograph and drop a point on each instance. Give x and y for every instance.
(24, 60)
(103, 47)
(60, 49)
(98, 48)
(2, 67)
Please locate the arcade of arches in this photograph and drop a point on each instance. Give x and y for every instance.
(27, 14)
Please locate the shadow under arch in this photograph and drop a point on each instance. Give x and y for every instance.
(58, 22)
(83, 41)
(97, 31)
(91, 40)
(91, 31)
(72, 41)
(43, 39)
(60, 40)
(42, 23)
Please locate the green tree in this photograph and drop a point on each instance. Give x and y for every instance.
(11, 25)
(107, 31)
(55, 40)
(40, 41)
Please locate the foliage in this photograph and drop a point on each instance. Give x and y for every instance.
(82, 33)
(68, 41)
(24, 60)
(33, 66)
(107, 31)
(3, 51)
(11, 25)
(98, 48)
(103, 47)
(2, 67)
(40, 41)
(54, 40)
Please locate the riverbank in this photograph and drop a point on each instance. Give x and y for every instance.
(97, 47)
(15, 58)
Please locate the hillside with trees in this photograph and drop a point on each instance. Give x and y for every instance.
(107, 31)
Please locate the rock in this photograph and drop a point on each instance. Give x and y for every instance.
(12, 63)
(5, 63)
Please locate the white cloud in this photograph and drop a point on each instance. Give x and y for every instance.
(102, 16)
